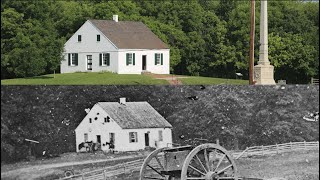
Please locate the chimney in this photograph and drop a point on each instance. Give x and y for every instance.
(123, 101)
(115, 18)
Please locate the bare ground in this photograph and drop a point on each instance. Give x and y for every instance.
(54, 168)
(172, 79)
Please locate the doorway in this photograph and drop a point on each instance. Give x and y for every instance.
(98, 139)
(144, 62)
(89, 62)
(146, 139)
(111, 138)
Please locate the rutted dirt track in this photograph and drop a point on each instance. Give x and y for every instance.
(38, 171)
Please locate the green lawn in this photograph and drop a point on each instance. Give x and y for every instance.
(207, 81)
(107, 78)
(104, 78)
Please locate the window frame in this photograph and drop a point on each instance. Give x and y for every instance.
(105, 59)
(73, 60)
(79, 37)
(107, 119)
(98, 38)
(86, 137)
(130, 59)
(133, 137)
(158, 59)
(160, 133)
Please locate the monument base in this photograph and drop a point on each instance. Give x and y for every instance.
(263, 75)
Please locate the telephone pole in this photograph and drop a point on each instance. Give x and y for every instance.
(251, 55)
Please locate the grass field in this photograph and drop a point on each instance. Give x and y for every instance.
(300, 165)
(107, 78)
(103, 78)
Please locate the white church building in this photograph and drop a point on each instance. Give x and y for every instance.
(123, 47)
(130, 125)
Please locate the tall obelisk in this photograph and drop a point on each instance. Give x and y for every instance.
(263, 72)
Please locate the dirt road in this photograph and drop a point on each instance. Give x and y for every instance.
(38, 171)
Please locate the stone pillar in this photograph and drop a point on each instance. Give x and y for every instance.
(263, 72)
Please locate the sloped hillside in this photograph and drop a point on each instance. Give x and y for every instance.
(238, 116)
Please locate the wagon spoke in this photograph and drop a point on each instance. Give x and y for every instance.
(196, 178)
(159, 162)
(222, 170)
(205, 153)
(155, 170)
(197, 170)
(220, 162)
(201, 163)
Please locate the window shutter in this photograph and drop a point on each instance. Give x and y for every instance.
(127, 59)
(100, 59)
(155, 58)
(161, 58)
(108, 59)
(136, 136)
(69, 59)
(76, 59)
(134, 55)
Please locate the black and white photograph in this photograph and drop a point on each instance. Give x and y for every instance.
(167, 90)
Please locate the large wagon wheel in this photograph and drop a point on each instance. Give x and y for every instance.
(209, 162)
(153, 166)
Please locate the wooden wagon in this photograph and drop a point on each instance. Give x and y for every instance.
(203, 162)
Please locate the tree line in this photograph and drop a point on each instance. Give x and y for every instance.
(206, 38)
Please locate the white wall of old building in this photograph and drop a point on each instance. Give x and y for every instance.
(150, 61)
(122, 143)
(89, 46)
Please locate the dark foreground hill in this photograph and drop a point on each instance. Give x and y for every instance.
(238, 116)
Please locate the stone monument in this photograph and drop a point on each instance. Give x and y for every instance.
(263, 72)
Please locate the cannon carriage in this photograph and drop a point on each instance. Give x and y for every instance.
(204, 162)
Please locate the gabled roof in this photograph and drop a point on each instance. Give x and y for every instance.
(129, 34)
(134, 115)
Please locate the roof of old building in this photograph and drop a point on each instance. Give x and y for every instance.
(129, 34)
(134, 115)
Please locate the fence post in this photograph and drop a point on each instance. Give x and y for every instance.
(82, 176)
(290, 145)
(262, 150)
(105, 174)
(305, 145)
(277, 149)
